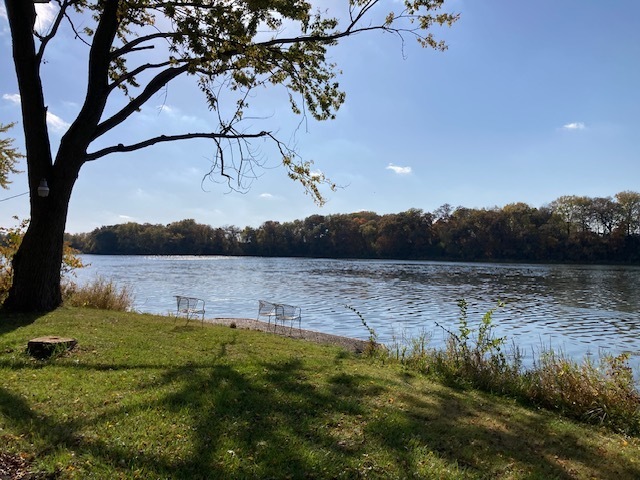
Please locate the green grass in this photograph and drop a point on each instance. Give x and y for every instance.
(146, 397)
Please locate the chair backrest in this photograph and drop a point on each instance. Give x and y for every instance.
(183, 303)
(288, 311)
(189, 304)
(266, 308)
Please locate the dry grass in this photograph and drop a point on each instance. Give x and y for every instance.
(600, 392)
(100, 293)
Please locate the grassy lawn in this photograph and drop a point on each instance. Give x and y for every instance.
(144, 397)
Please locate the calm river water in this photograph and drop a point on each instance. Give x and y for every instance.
(578, 309)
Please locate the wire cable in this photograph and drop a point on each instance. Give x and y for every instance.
(15, 196)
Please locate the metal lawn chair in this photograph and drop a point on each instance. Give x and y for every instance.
(289, 313)
(266, 309)
(189, 307)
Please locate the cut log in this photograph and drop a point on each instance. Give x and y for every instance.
(45, 347)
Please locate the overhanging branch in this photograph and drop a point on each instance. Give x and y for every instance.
(120, 148)
(130, 75)
(151, 89)
(133, 44)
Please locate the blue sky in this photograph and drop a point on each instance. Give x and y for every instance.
(532, 100)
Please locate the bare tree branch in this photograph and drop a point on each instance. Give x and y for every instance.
(130, 75)
(152, 88)
(44, 39)
(361, 13)
(75, 30)
(120, 148)
(131, 46)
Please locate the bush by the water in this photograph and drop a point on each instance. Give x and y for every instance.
(601, 392)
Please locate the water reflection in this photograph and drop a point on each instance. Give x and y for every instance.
(580, 309)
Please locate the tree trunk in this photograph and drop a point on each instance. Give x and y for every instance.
(36, 264)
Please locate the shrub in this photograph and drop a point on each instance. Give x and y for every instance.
(10, 239)
(597, 392)
(602, 392)
(100, 293)
(476, 357)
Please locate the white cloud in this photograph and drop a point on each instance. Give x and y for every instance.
(399, 170)
(56, 124)
(45, 15)
(140, 194)
(265, 195)
(173, 113)
(13, 98)
(574, 126)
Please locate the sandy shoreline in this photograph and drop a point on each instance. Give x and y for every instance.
(351, 344)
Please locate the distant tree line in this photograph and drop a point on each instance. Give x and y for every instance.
(569, 229)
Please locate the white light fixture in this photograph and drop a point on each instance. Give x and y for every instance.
(43, 188)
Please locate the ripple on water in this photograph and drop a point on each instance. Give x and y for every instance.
(575, 308)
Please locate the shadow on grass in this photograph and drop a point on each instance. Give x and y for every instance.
(12, 321)
(472, 437)
(278, 421)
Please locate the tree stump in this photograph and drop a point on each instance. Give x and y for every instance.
(45, 347)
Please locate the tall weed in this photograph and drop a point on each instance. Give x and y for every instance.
(414, 351)
(476, 357)
(373, 347)
(600, 391)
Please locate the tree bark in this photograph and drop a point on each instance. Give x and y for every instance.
(36, 264)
